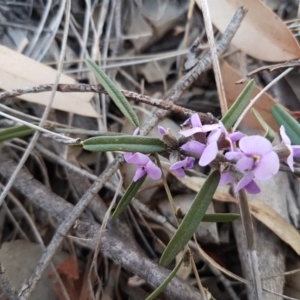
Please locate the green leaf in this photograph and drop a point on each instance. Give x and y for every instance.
(127, 197)
(292, 127)
(165, 282)
(114, 93)
(15, 132)
(269, 132)
(192, 219)
(238, 106)
(127, 143)
(219, 218)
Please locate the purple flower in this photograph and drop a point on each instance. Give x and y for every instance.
(197, 126)
(179, 167)
(231, 137)
(145, 166)
(251, 187)
(256, 155)
(294, 150)
(193, 146)
(161, 130)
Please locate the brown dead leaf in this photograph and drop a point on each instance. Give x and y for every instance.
(18, 71)
(266, 215)
(262, 34)
(69, 267)
(263, 104)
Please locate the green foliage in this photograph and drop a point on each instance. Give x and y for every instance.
(219, 218)
(114, 93)
(238, 106)
(127, 197)
(127, 143)
(15, 132)
(192, 219)
(292, 127)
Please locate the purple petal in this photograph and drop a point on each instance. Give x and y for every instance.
(178, 165)
(193, 146)
(161, 130)
(296, 151)
(226, 178)
(255, 145)
(207, 128)
(191, 131)
(195, 120)
(235, 136)
(245, 163)
(290, 159)
(186, 122)
(252, 187)
(214, 136)
(234, 155)
(286, 140)
(140, 172)
(209, 154)
(179, 172)
(153, 170)
(127, 156)
(244, 181)
(136, 131)
(189, 162)
(267, 166)
(138, 159)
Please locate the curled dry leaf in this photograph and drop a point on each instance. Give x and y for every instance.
(18, 71)
(262, 105)
(262, 34)
(261, 211)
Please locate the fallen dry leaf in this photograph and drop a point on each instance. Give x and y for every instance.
(263, 104)
(262, 34)
(266, 215)
(18, 71)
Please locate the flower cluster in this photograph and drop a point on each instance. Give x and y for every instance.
(252, 157)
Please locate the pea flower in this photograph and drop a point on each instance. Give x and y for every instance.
(145, 165)
(256, 156)
(294, 150)
(179, 167)
(195, 122)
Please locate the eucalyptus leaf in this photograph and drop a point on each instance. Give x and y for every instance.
(238, 106)
(165, 282)
(127, 143)
(292, 127)
(114, 93)
(219, 218)
(127, 197)
(192, 219)
(15, 132)
(269, 132)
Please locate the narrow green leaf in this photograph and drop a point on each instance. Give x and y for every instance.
(15, 132)
(192, 219)
(114, 93)
(238, 106)
(127, 197)
(292, 127)
(127, 143)
(269, 132)
(165, 282)
(219, 218)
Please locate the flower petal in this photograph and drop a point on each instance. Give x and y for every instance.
(214, 136)
(136, 131)
(193, 146)
(179, 172)
(209, 154)
(244, 181)
(178, 165)
(235, 136)
(267, 166)
(161, 130)
(226, 178)
(234, 155)
(189, 162)
(210, 127)
(127, 155)
(290, 159)
(245, 163)
(138, 159)
(191, 131)
(286, 140)
(252, 187)
(195, 120)
(296, 151)
(140, 172)
(255, 145)
(153, 170)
